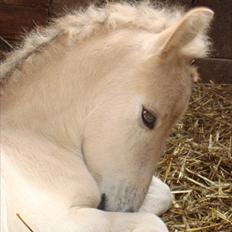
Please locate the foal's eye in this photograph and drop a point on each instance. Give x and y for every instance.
(148, 118)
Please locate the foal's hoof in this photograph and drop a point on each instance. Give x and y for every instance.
(158, 199)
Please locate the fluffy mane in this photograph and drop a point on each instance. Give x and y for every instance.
(84, 24)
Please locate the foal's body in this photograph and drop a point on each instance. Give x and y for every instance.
(71, 127)
(64, 199)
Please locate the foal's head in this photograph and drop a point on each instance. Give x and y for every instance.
(116, 94)
(144, 88)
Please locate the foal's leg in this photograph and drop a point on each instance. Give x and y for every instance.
(158, 199)
(52, 190)
(93, 220)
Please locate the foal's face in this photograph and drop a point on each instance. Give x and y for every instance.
(129, 129)
(136, 104)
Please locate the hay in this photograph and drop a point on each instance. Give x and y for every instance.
(198, 163)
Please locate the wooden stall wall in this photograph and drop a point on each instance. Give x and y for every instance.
(19, 16)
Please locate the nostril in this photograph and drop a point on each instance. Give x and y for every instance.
(102, 204)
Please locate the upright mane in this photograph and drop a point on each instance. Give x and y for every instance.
(83, 24)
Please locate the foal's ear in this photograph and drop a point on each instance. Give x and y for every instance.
(188, 36)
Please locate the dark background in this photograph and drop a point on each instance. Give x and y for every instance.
(19, 16)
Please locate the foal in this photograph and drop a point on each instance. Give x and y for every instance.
(86, 106)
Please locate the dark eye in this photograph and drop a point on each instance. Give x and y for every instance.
(148, 118)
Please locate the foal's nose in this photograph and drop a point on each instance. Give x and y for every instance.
(103, 204)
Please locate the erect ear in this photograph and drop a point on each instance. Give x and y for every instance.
(188, 36)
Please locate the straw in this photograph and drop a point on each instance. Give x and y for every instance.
(197, 164)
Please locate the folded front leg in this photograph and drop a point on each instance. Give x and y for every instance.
(158, 199)
(93, 220)
(52, 190)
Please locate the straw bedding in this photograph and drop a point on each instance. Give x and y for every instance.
(197, 164)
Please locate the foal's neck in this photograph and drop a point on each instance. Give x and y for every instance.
(56, 93)
(42, 98)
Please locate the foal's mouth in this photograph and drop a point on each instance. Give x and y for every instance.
(103, 204)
